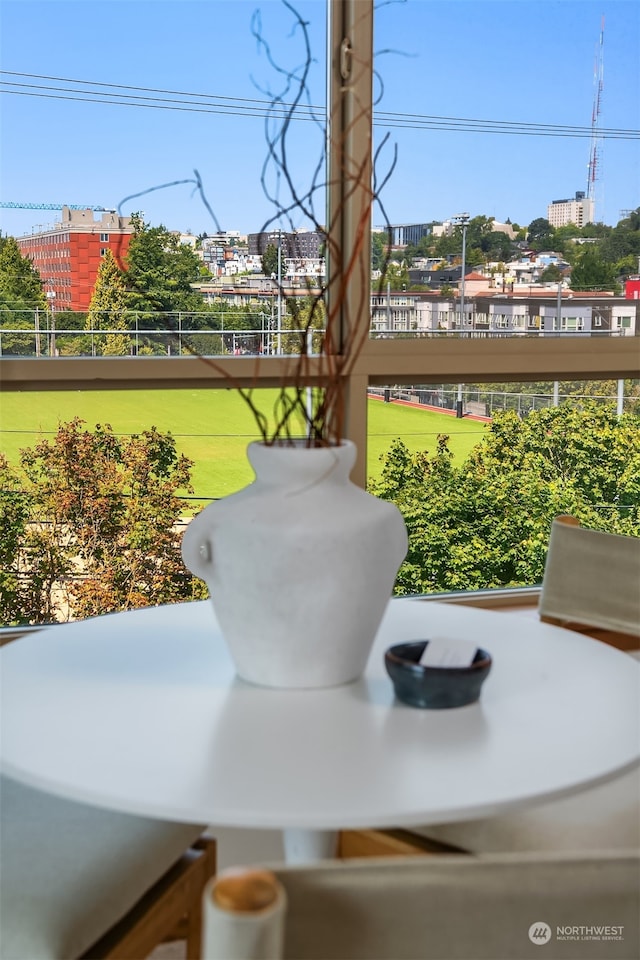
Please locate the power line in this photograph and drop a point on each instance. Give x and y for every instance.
(155, 106)
(123, 86)
(461, 126)
(265, 109)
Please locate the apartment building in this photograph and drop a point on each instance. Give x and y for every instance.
(495, 314)
(488, 311)
(580, 211)
(297, 245)
(68, 255)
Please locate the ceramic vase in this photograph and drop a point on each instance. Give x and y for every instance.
(300, 566)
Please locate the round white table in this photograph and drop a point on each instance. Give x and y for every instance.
(142, 712)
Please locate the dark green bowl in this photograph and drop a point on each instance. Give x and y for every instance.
(434, 688)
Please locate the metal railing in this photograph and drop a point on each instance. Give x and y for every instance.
(141, 341)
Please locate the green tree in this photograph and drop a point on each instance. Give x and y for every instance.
(71, 344)
(551, 274)
(107, 310)
(379, 244)
(423, 248)
(478, 229)
(159, 274)
(397, 274)
(307, 315)
(563, 237)
(270, 261)
(101, 533)
(486, 522)
(540, 235)
(21, 297)
(473, 258)
(627, 266)
(623, 240)
(598, 230)
(20, 282)
(15, 596)
(449, 245)
(591, 272)
(497, 246)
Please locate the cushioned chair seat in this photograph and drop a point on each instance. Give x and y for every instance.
(606, 817)
(70, 871)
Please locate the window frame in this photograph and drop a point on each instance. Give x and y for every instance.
(457, 358)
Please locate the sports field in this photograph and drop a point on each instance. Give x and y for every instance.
(211, 427)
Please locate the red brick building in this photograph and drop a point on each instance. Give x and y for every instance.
(68, 255)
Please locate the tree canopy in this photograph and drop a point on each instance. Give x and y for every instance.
(89, 525)
(107, 310)
(592, 272)
(270, 260)
(541, 235)
(379, 244)
(90, 519)
(160, 271)
(617, 246)
(21, 295)
(486, 522)
(20, 282)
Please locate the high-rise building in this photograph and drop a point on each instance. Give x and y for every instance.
(68, 255)
(579, 211)
(300, 244)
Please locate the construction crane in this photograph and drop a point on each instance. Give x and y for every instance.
(13, 205)
(594, 152)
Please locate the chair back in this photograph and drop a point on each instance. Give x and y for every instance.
(591, 578)
(502, 907)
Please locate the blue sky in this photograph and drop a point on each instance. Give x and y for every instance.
(502, 60)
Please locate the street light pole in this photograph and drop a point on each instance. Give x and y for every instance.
(279, 337)
(51, 294)
(462, 219)
(464, 269)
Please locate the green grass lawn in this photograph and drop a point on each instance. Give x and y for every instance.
(419, 430)
(211, 427)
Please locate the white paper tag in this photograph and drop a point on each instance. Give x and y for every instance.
(448, 652)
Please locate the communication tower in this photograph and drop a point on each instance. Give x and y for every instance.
(596, 139)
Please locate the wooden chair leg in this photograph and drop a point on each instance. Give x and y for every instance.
(171, 909)
(194, 933)
(194, 918)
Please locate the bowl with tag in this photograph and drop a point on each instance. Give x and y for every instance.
(437, 674)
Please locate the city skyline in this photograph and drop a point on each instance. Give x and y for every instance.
(521, 62)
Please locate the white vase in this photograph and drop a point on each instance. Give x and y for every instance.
(300, 566)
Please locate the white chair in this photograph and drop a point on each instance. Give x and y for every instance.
(592, 584)
(429, 908)
(78, 881)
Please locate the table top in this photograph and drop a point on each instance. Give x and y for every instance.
(143, 712)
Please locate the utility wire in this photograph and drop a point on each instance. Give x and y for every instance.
(461, 126)
(253, 107)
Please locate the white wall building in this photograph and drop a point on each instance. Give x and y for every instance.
(579, 211)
